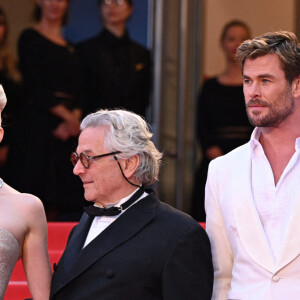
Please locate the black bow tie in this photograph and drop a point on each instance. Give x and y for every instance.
(94, 211)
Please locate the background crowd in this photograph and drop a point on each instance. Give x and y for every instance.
(52, 85)
(55, 83)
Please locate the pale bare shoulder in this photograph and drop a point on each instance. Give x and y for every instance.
(22, 200)
(21, 213)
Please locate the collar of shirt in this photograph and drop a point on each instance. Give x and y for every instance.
(274, 204)
(101, 223)
(119, 203)
(254, 141)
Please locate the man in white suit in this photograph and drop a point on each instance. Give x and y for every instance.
(253, 193)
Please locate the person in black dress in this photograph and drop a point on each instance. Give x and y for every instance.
(50, 119)
(117, 70)
(222, 122)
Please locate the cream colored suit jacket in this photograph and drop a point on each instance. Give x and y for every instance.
(244, 266)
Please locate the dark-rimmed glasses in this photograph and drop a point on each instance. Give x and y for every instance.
(85, 159)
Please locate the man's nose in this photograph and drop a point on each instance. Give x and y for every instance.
(79, 168)
(254, 90)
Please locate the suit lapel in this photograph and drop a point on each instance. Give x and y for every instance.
(76, 242)
(291, 245)
(74, 246)
(248, 223)
(121, 230)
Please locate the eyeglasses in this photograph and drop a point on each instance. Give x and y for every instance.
(117, 2)
(85, 159)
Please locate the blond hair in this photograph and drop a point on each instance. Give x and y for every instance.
(3, 99)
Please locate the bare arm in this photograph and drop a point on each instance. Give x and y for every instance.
(35, 252)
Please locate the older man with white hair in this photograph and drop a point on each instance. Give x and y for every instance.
(128, 244)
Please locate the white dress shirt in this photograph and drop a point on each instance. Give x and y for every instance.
(101, 223)
(274, 203)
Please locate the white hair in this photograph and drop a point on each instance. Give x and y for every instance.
(128, 133)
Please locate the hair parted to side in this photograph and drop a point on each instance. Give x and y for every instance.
(37, 14)
(3, 99)
(283, 43)
(234, 23)
(128, 133)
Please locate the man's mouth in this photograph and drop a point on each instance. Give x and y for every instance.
(85, 182)
(256, 103)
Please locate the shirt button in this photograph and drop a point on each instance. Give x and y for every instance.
(276, 278)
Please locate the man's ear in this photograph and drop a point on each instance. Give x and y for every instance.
(296, 87)
(130, 165)
(1, 133)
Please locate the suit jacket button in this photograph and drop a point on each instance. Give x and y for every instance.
(109, 273)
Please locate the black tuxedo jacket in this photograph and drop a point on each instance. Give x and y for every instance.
(152, 251)
(117, 73)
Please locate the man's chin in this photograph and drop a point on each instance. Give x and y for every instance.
(88, 197)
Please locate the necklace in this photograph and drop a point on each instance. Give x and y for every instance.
(1, 182)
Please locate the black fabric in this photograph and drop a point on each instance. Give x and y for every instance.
(40, 163)
(221, 106)
(151, 252)
(74, 248)
(117, 73)
(221, 121)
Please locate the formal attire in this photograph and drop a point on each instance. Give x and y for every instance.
(151, 251)
(9, 254)
(221, 121)
(117, 73)
(40, 162)
(253, 225)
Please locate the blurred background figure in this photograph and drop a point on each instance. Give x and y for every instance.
(117, 70)
(10, 79)
(222, 122)
(50, 118)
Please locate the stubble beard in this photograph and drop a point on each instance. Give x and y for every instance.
(277, 113)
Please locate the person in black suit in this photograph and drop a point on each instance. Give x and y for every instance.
(128, 244)
(117, 70)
